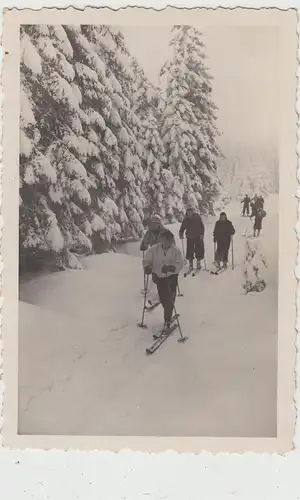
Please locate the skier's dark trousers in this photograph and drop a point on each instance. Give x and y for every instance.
(164, 261)
(167, 289)
(223, 233)
(193, 227)
(246, 205)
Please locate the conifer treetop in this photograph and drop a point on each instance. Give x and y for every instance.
(188, 122)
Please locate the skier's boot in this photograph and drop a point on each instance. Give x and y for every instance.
(225, 265)
(167, 325)
(190, 265)
(198, 265)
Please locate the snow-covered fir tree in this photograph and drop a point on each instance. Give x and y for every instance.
(80, 171)
(52, 180)
(98, 149)
(158, 184)
(189, 124)
(125, 127)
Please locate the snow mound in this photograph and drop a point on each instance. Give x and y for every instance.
(99, 290)
(43, 336)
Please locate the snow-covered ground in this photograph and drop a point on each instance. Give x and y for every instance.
(82, 363)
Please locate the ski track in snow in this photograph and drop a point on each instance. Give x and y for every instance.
(82, 362)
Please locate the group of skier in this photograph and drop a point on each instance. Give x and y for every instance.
(257, 211)
(163, 260)
(255, 203)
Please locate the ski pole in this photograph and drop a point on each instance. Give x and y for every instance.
(205, 268)
(142, 324)
(179, 293)
(144, 273)
(232, 260)
(181, 338)
(182, 244)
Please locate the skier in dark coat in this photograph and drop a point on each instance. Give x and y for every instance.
(223, 233)
(246, 205)
(260, 202)
(260, 214)
(193, 227)
(254, 206)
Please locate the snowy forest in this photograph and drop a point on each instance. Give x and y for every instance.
(250, 168)
(101, 147)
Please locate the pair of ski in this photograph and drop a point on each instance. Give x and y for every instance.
(193, 272)
(218, 271)
(161, 336)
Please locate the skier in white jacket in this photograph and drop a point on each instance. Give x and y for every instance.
(254, 264)
(164, 261)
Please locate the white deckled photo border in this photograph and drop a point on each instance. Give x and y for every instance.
(287, 22)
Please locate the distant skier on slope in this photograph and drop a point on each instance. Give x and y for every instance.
(164, 261)
(193, 227)
(151, 237)
(260, 202)
(260, 214)
(254, 206)
(246, 205)
(223, 233)
(254, 261)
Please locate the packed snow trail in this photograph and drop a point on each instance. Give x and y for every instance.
(83, 367)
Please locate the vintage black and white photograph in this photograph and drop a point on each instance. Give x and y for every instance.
(149, 188)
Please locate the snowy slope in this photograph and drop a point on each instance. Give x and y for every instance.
(83, 368)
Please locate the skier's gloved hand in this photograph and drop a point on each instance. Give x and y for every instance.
(165, 269)
(148, 270)
(171, 269)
